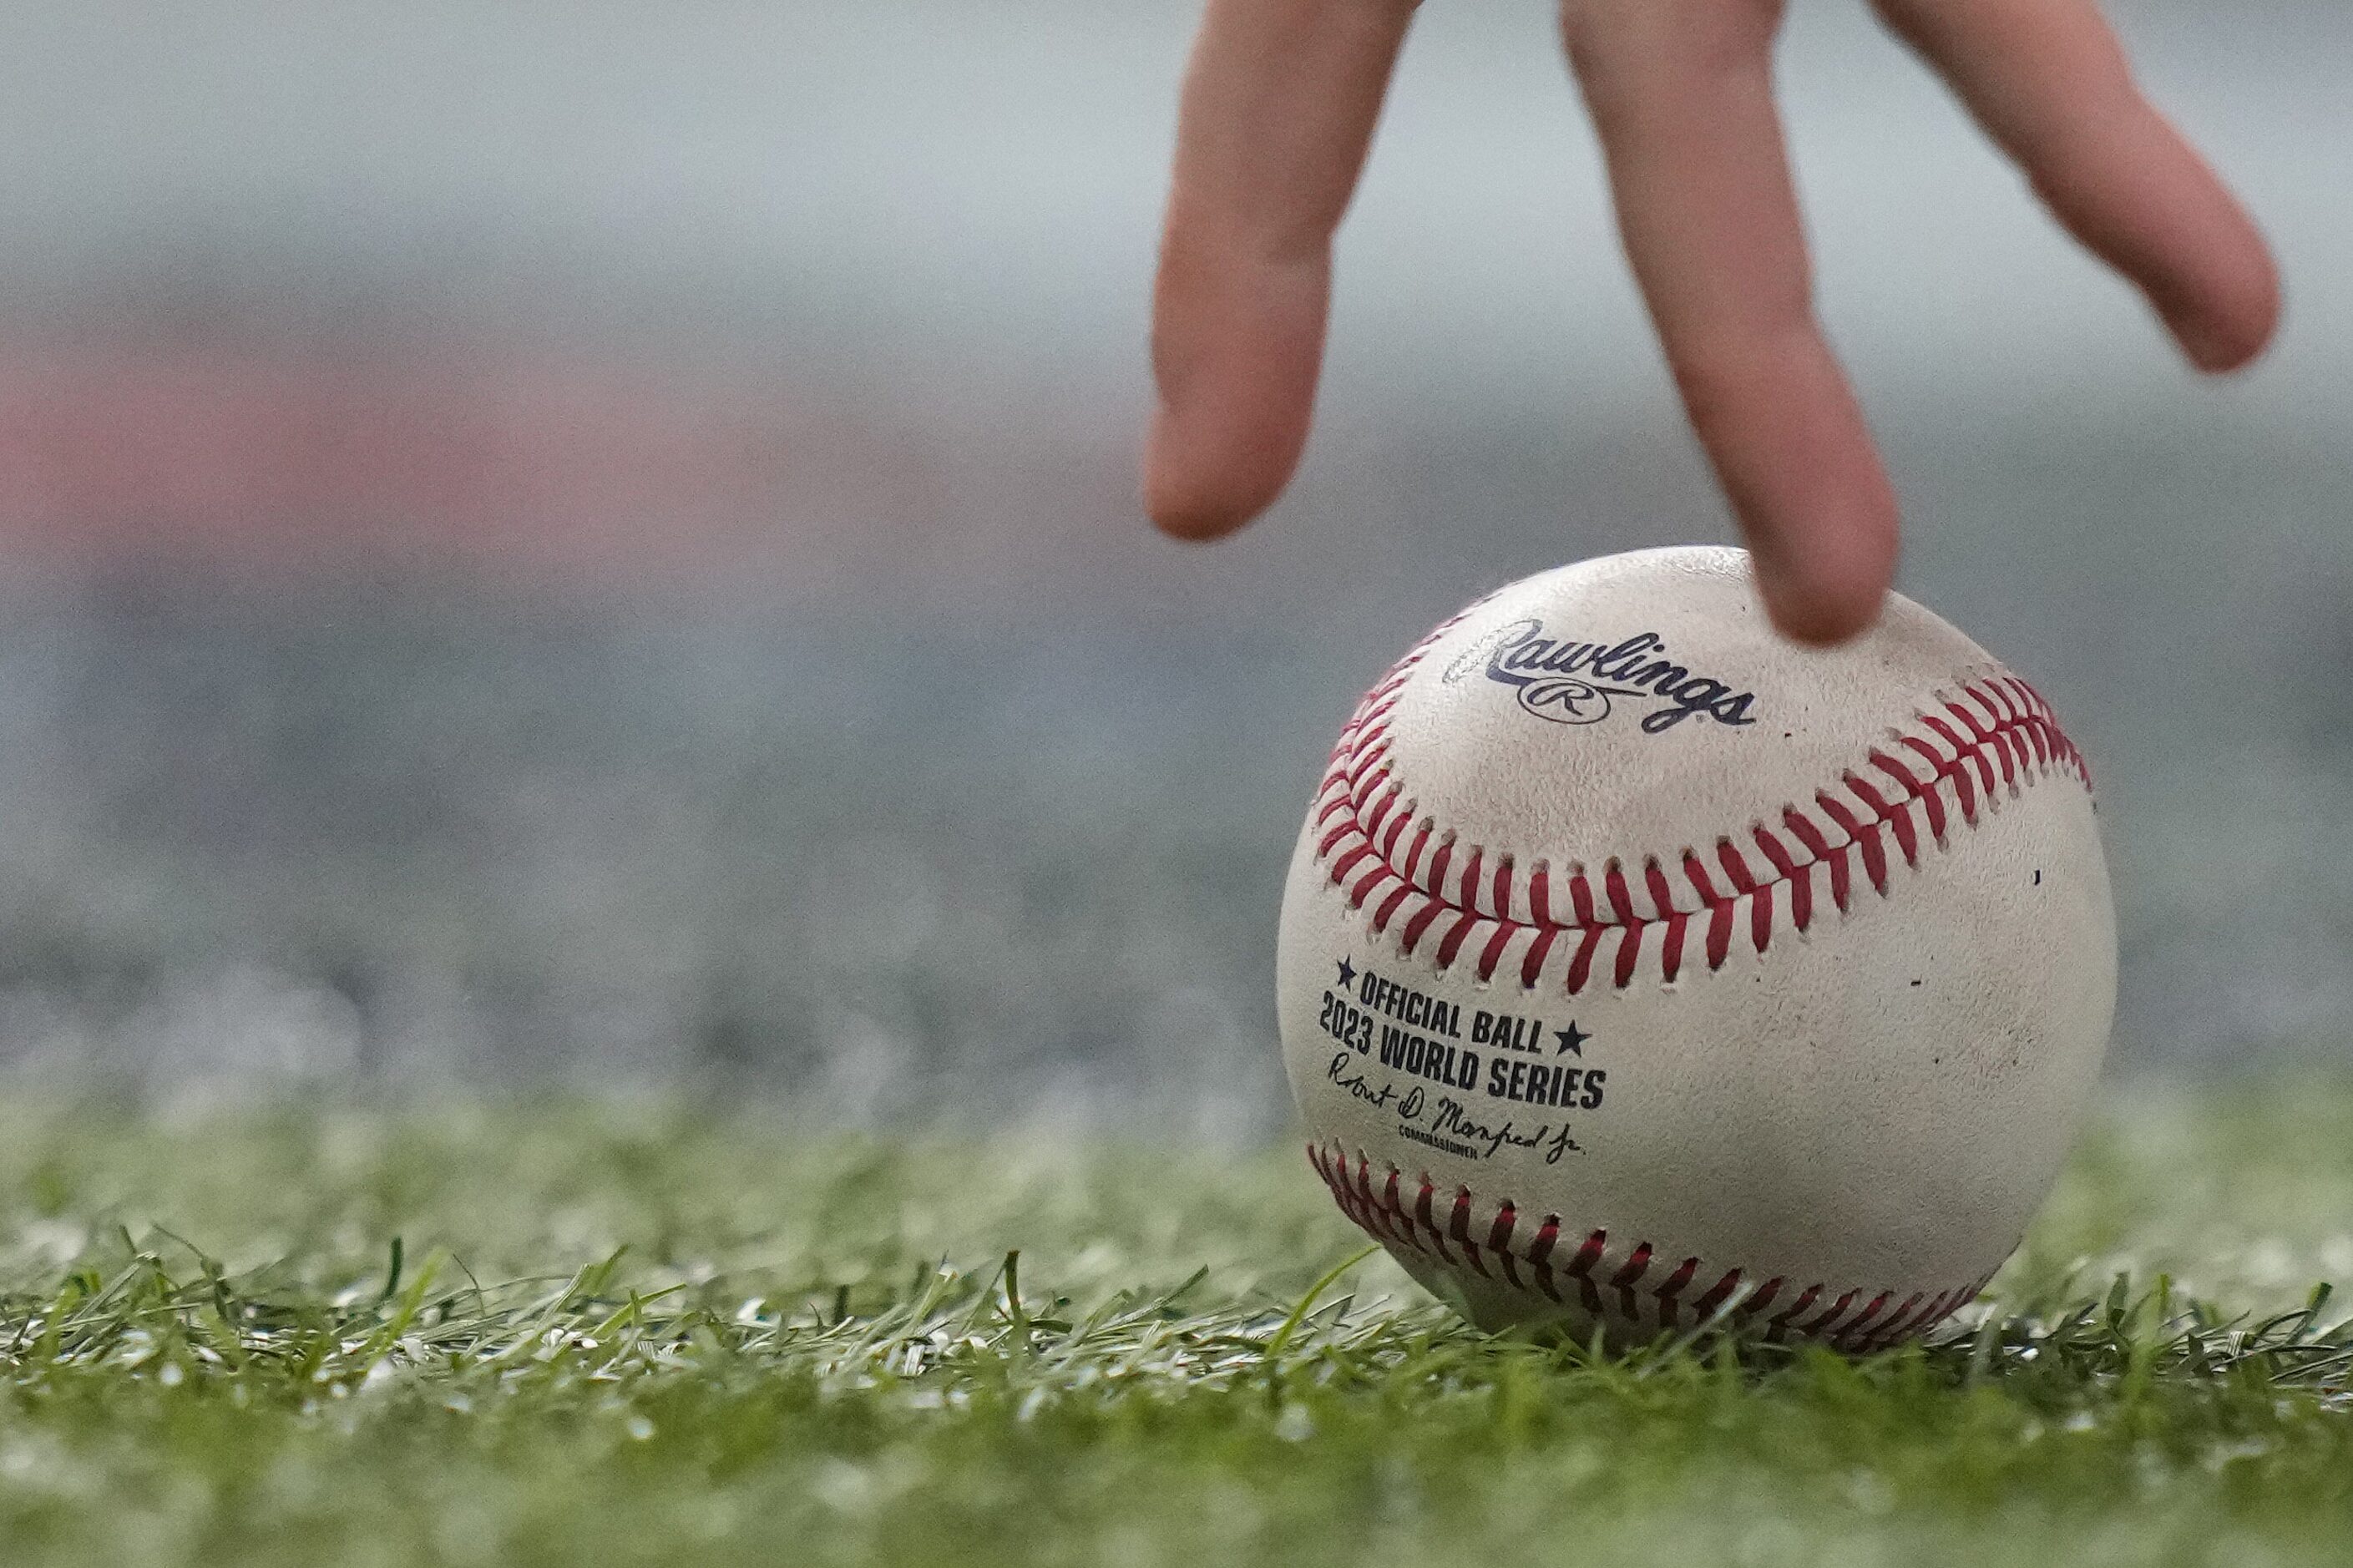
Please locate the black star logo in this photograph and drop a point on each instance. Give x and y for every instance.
(1347, 974)
(1572, 1039)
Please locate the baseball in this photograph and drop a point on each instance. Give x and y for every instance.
(1640, 969)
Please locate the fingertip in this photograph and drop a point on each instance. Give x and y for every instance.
(1832, 587)
(1189, 515)
(1193, 527)
(1822, 610)
(2228, 328)
(1196, 501)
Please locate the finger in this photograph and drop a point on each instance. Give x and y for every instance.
(2048, 80)
(1680, 92)
(1279, 108)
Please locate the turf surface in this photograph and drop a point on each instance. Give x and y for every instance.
(586, 1334)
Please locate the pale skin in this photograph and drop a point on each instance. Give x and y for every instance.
(1278, 112)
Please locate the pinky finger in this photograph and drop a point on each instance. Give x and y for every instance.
(2048, 81)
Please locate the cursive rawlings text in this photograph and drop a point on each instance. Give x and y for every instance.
(1571, 682)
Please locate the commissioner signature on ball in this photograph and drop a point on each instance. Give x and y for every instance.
(1569, 682)
(1447, 1122)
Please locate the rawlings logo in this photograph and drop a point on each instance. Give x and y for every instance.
(1572, 682)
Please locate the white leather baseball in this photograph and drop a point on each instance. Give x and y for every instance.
(1640, 968)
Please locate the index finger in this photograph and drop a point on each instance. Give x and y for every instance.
(2049, 81)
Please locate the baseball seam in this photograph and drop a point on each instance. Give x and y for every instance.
(1641, 1289)
(1991, 737)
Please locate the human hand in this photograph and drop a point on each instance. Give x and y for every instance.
(1279, 109)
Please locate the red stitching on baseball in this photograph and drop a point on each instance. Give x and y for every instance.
(1822, 1326)
(1492, 954)
(1778, 1324)
(1894, 1324)
(1539, 1254)
(1670, 947)
(1420, 922)
(1581, 967)
(2006, 741)
(1717, 1295)
(1497, 1238)
(1630, 950)
(1677, 1283)
(1628, 1277)
(1580, 1269)
(1622, 903)
(1532, 967)
(1530, 1270)
(1461, 1230)
(1695, 871)
(1662, 897)
(1452, 942)
(1854, 1332)
(1422, 1216)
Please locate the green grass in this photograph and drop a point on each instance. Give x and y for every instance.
(601, 1335)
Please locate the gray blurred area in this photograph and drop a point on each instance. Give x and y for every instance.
(939, 787)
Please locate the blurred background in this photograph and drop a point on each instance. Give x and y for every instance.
(593, 545)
